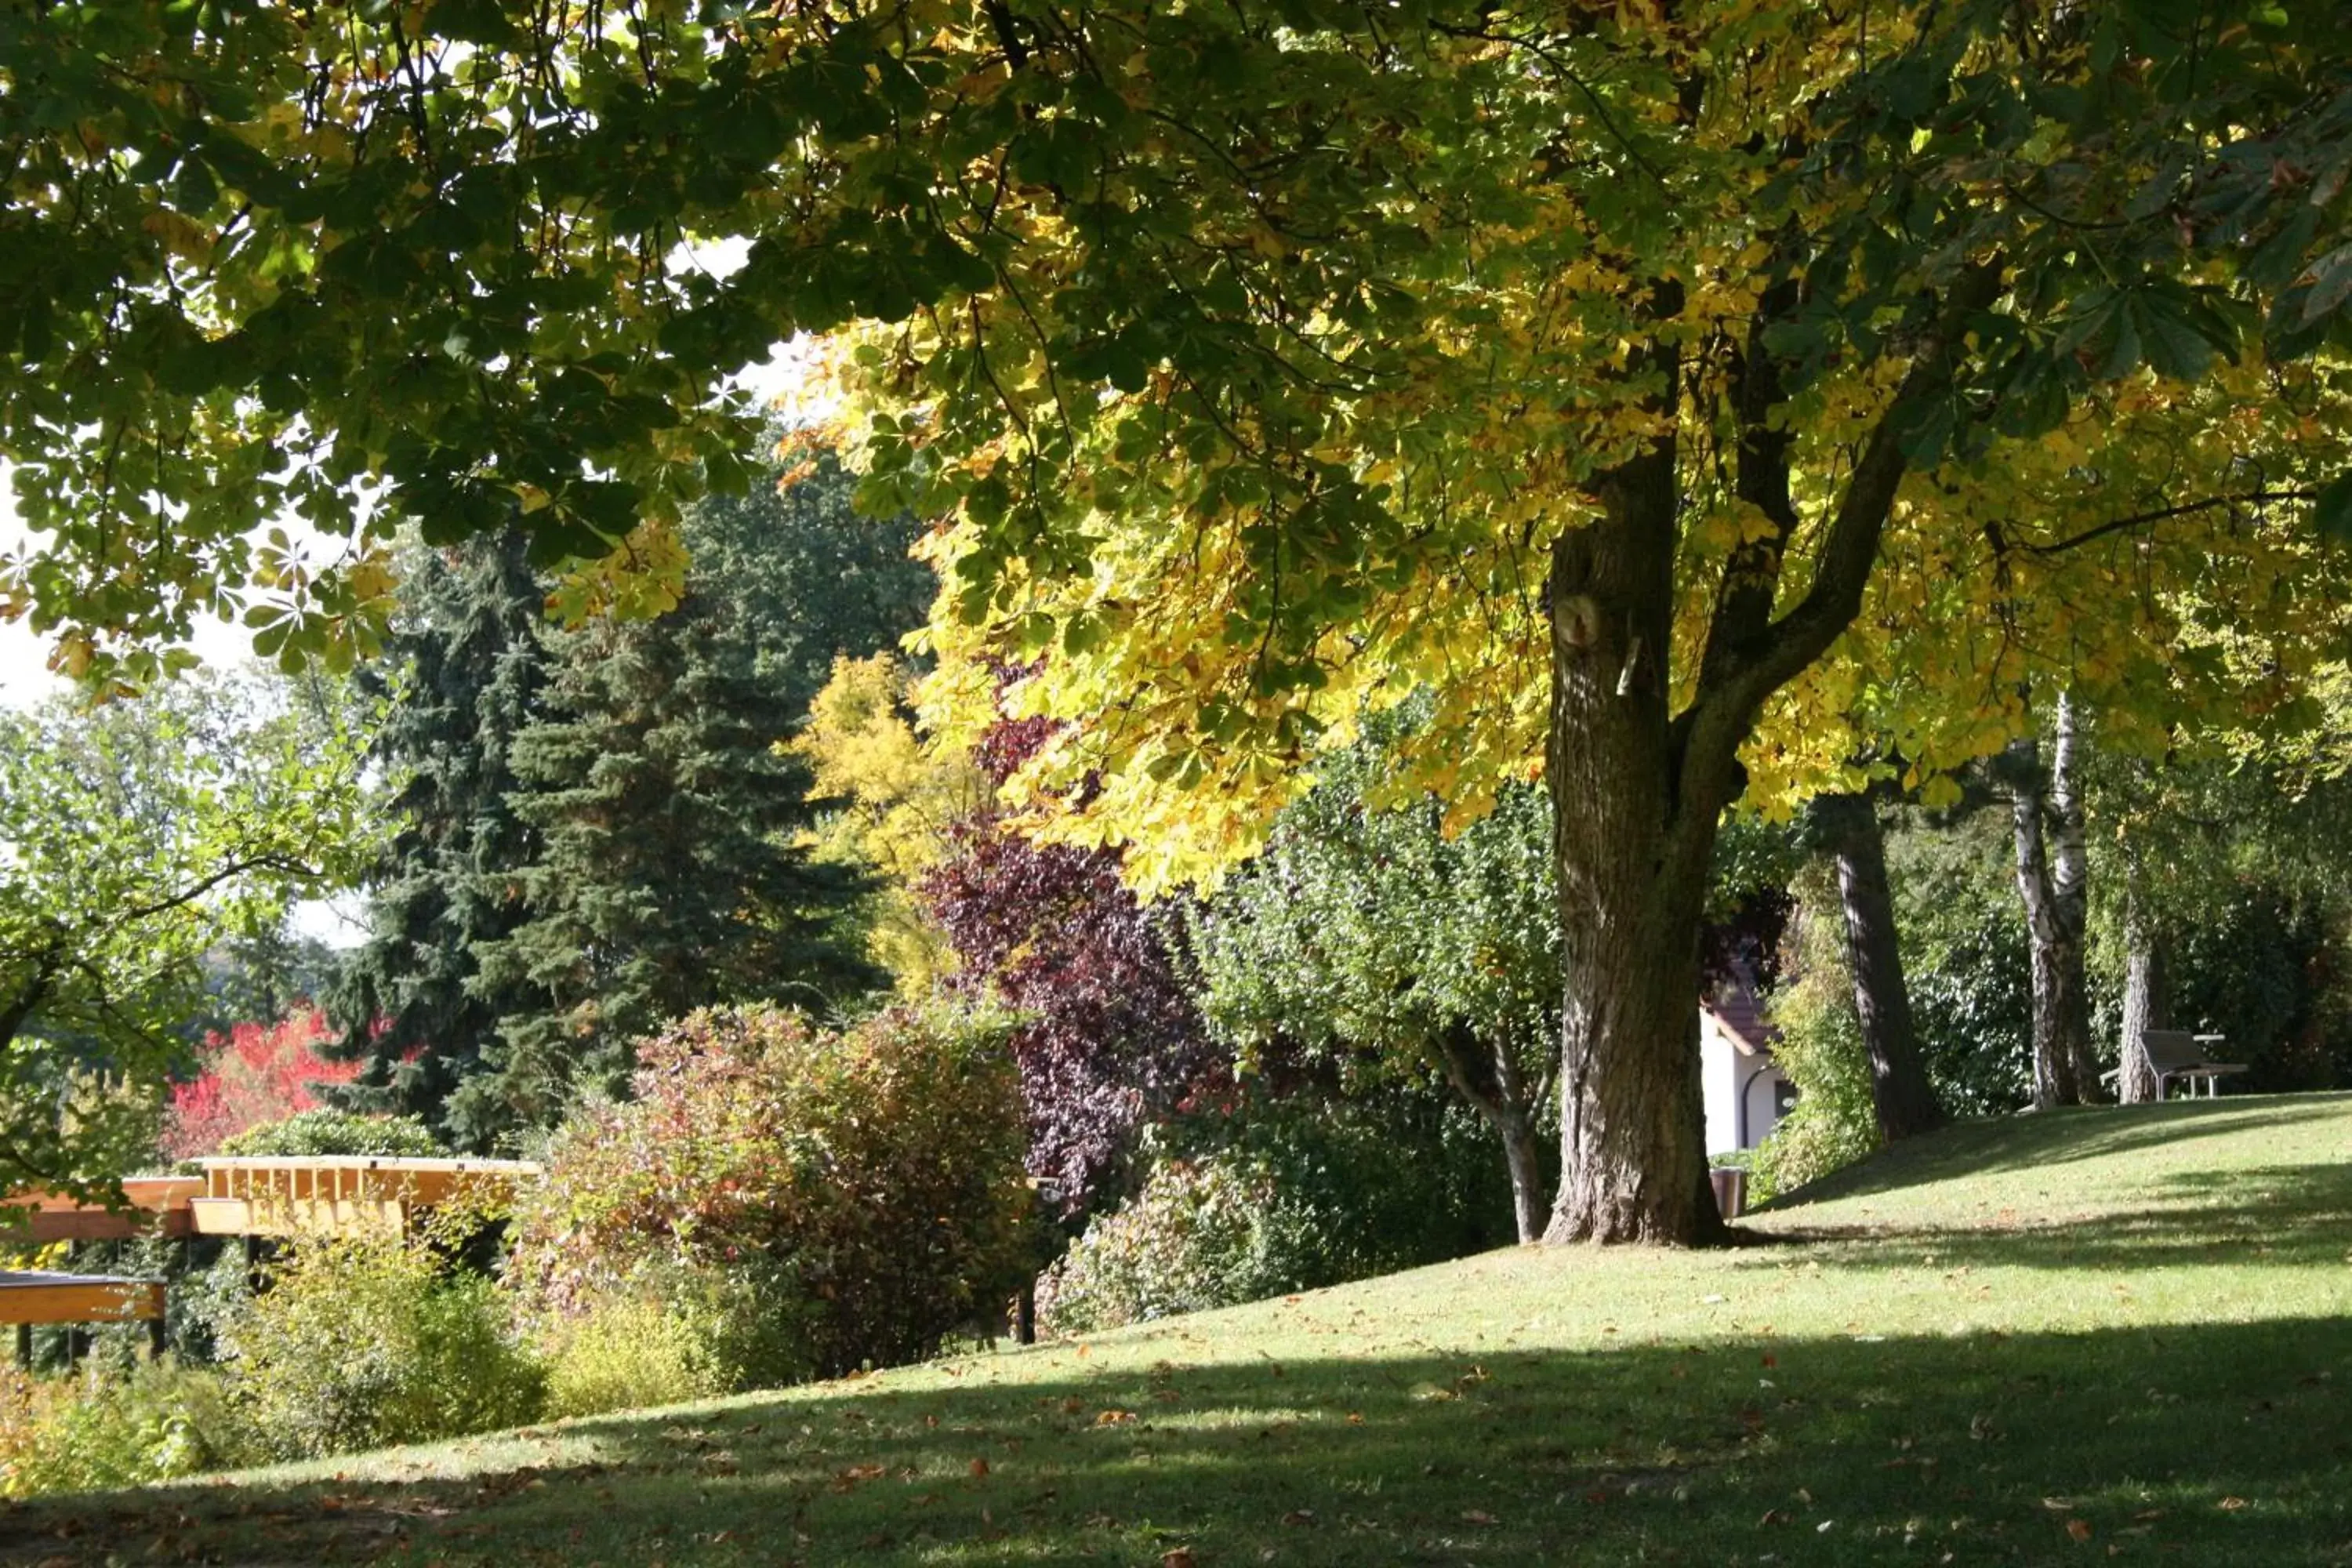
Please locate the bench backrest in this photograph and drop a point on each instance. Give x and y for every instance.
(2170, 1050)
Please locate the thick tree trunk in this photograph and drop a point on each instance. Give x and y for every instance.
(2051, 882)
(2146, 998)
(1899, 1090)
(1637, 791)
(1632, 871)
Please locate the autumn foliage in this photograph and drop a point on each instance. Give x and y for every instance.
(816, 1199)
(260, 1073)
(1110, 1038)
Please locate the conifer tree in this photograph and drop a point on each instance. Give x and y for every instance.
(666, 874)
(467, 670)
(595, 830)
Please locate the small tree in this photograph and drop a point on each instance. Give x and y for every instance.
(136, 836)
(260, 1073)
(1368, 934)
(1110, 1039)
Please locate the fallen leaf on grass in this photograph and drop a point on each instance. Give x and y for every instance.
(979, 1469)
(2232, 1504)
(1299, 1516)
(1177, 1557)
(2080, 1528)
(1474, 1516)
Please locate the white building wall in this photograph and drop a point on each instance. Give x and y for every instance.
(1727, 1075)
(1763, 1100)
(1719, 1066)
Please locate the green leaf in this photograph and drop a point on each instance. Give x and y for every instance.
(2332, 512)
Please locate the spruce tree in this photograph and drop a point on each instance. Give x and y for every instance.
(813, 580)
(597, 830)
(467, 670)
(668, 876)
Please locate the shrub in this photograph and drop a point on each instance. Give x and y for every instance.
(148, 1423)
(628, 1352)
(814, 1200)
(1374, 1182)
(1193, 1238)
(322, 1132)
(1821, 1049)
(258, 1074)
(360, 1343)
(1288, 1195)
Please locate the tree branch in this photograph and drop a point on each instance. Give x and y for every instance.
(2161, 514)
(1735, 681)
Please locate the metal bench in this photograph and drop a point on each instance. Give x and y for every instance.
(2178, 1054)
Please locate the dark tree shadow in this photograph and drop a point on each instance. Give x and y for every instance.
(2054, 1138)
(2221, 1444)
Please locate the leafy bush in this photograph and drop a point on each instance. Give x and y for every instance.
(259, 1074)
(1288, 1194)
(360, 1343)
(814, 1199)
(1821, 1050)
(1193, 1238)
(150, 1423)
(315, 1133)
(627, 1353)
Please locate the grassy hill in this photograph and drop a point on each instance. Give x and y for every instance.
(2095, 1335)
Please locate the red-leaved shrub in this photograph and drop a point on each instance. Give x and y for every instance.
(261, 1073)
(818, 1199)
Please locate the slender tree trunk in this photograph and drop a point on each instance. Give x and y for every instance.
(2070, 881)
(1491, 1083)
(2051, 882)
(1517, 1131)
(1899, 1090)
(2146, 993)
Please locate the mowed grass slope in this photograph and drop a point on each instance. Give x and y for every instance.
(2098, 1335)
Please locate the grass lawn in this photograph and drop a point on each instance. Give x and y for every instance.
(2088, 1336)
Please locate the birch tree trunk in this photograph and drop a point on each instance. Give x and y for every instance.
(2047, 816)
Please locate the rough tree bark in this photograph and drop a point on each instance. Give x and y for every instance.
(2147, 1003)
(1901, 1095)
(1633, 1146)
(2046, 812)
(1638, 789)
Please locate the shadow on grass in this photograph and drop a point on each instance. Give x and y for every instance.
(2051, 1139)
(2289, 1215)
(2226, 1444)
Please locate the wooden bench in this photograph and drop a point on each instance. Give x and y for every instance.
(2178, 1054)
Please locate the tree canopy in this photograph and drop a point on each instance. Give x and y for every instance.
(1598, 369)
